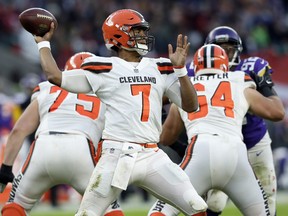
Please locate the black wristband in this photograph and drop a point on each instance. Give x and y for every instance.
(267, 91)
(6, 168)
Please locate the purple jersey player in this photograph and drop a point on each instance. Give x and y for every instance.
(254, 128)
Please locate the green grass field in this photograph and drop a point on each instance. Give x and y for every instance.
(230, 210)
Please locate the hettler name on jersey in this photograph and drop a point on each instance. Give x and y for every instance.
(211, 76)
(137, 79)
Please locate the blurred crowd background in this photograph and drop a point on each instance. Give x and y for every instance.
(262, 25)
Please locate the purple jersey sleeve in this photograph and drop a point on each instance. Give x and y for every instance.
(254, 127)
(254, 65)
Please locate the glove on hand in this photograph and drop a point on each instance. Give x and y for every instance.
(6, 174)
(264, 83)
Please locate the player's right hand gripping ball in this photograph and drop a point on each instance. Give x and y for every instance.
(37, 21)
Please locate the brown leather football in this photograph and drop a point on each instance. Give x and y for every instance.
(37, 21)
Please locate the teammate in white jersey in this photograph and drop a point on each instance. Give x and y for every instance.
(132, 87)
(216, 156)
(69, 127)
(254, 129)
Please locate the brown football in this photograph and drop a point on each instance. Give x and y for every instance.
(37, 21)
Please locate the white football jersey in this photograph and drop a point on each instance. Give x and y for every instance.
(61, 111)
(133, 95)
(222, 104)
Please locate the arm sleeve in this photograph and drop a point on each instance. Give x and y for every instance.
(76, 81)
(174, 94)
(34, 96)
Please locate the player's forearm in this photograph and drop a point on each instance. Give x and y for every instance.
(270, 108)
(168, 137)
(277, 110)
(172, 127)
(13, 146)
(188, 95)
(49, 66)
(25, 125)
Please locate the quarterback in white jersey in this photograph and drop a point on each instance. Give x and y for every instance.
(132, 87)
(134, 97)
(216, 156)
(63, 151)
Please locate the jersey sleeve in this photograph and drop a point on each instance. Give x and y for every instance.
(255, 65)
(35, 92)
(249, 82)
(38, 89)
(172, 90)
(76, 81)
(174, 94)
(94, 68)
(261, 65)
(166, 70)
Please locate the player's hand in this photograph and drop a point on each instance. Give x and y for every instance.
(47, 36)
(178, 58)
(264, 84)
(6, 175)
(263, 81)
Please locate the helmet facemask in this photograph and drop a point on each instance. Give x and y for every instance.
(140, 42)
(233, 51)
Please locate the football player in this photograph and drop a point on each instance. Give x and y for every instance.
(132, 87)
(216, 156)
(254, 129)
(69, 126)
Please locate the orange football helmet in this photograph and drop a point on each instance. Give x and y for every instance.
(210, 59)
(119, 31)
(75, 61)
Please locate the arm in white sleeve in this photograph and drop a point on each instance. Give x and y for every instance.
(174, 94)
(75, 81)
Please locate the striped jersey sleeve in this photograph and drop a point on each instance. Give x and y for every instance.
(97, 65)
(165, 67)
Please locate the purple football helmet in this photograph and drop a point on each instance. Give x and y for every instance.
(225, 34)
